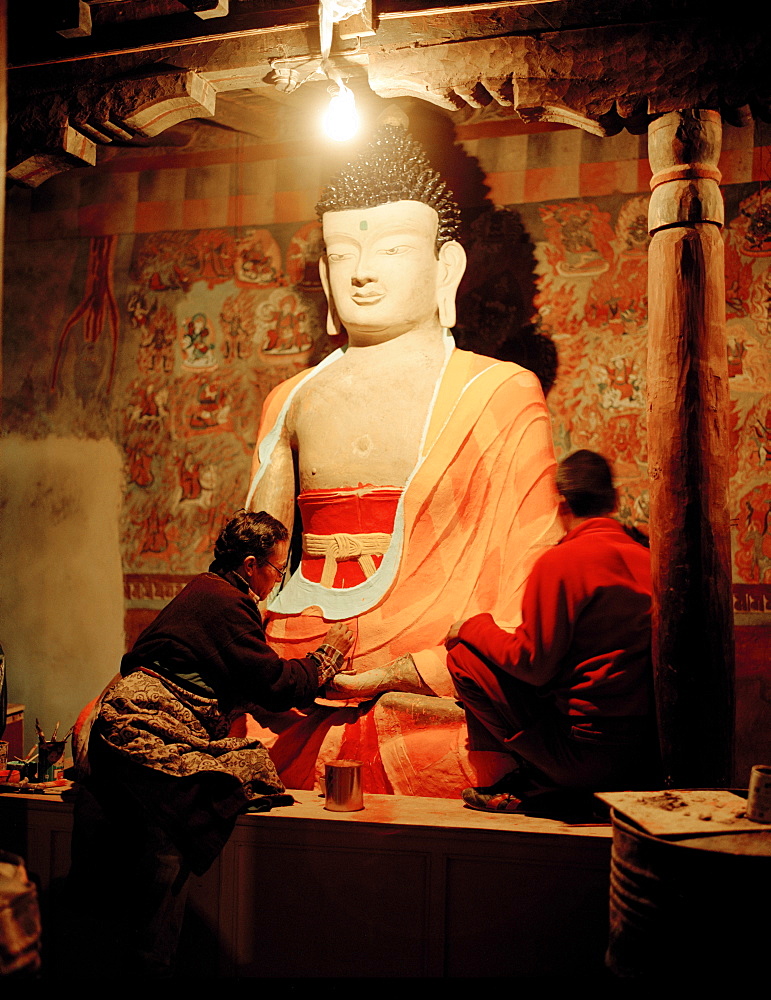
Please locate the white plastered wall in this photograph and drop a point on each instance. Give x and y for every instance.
(61, 592)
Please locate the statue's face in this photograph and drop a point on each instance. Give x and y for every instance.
(383, 272)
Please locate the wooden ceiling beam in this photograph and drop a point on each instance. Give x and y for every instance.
(206, 9)
(72, 19)
(397, 23)
(165, 32)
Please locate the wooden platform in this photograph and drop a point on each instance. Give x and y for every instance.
(407, 887)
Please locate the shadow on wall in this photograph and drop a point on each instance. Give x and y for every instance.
(496, 299)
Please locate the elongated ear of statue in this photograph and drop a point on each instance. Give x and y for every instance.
(452, 265)
(334, 326)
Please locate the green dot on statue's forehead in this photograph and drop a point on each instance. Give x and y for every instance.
(363, 225)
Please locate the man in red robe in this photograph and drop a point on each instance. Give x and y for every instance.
(566, 698)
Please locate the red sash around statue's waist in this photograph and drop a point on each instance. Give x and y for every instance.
(346, 533)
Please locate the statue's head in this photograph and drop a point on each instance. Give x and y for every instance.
(392, 262)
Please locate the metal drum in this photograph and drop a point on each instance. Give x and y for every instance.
(695, 906)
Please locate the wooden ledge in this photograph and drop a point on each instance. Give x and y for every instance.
(434, 814)
(403, 811)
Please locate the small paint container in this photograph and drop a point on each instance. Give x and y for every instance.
(342, 785)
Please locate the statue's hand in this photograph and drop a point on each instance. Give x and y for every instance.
(398, 675)
(364, 685)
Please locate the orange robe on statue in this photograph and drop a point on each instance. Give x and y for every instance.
(478, 510)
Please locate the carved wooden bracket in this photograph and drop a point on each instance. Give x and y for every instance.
(45, 143)
(599, 79)
(49, 136)
(149, 106)
(68, 148)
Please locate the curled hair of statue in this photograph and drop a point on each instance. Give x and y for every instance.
(392, 167)
(247, 533)
(585, 480)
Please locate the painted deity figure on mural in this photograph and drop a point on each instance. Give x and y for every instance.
(425, 473)
(196, 345)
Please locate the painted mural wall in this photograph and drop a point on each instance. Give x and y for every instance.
(592, 303)
(153, 302)
(214, 319)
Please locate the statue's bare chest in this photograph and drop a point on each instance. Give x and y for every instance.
(356, 423)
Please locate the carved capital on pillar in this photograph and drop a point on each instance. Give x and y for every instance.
(683, 149)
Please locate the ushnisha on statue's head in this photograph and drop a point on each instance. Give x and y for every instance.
(392, 264)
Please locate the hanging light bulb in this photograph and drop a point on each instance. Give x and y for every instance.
(341, 119)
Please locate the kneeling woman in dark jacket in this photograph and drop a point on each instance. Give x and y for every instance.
(166, 781)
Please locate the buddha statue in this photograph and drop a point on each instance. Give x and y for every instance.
(423, 474)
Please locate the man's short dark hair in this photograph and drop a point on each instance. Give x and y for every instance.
(392, 167)
(247, 533)
(585, 480)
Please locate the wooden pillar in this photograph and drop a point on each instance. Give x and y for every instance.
(688, 446)
(3, 134)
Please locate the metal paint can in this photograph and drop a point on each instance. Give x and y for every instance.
(759, 794)
(342, 786)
